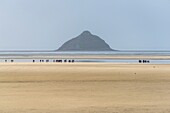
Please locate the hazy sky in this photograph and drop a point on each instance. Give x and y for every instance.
(47, 24)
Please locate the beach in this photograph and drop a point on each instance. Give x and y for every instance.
(84, 88)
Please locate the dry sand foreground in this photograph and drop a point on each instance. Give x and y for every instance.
(84, 88)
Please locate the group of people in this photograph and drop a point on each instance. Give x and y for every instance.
(9, 61)
(144, 61)
(59, 61)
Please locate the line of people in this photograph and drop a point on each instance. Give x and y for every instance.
(57, 61)
(144, 61)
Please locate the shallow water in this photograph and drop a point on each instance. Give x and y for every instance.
(6, 56)
(87, 60)
(165, 53)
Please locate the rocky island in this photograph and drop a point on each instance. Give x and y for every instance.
(85, 42)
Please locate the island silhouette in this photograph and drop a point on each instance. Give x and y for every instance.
(85, 42)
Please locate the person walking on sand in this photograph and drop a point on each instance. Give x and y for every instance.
(73, 61)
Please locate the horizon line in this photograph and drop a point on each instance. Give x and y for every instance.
(84, 51)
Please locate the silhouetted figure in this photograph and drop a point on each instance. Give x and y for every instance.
(47, 60)
(69, 61)
(53, 60)
(12, 60)
(144, 61)
(140, 61)
(65, 61)
(33, 61)
(6, 61)
(73, 61)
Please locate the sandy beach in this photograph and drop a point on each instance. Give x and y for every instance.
(84, 88)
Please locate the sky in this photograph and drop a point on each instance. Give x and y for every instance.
(47, 24)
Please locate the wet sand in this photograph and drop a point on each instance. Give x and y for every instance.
(84, 88)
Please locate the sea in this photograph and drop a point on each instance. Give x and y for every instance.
(51, 56)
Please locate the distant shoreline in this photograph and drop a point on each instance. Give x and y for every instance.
(97, 56)
(84, 51)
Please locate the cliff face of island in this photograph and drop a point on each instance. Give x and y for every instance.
(85, 42)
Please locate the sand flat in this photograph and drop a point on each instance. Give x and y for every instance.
(84, 88)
